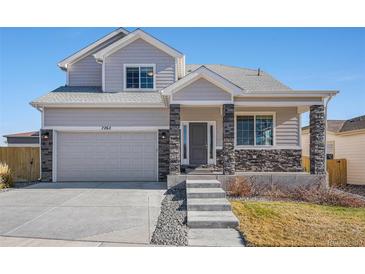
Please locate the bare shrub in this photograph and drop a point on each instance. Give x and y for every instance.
(247, 187)
(240, 187)
(327, 196)
(6, 179)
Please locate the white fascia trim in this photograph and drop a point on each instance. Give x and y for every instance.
(63, 64)
(131, 37)
(200, 103)
(278, 104)
(206, 74)
(71, 105)
(293, 93)
(101, 129)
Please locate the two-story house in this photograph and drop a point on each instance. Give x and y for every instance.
(132, 110)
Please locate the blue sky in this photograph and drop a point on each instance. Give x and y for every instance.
(302, 58)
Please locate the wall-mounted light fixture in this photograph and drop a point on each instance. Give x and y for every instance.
(163, 135)
(45, 136)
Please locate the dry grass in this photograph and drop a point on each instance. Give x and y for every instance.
(300, 224)
(6, 179)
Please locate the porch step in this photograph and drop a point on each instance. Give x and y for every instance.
(208, 204)
(202, 184)
(212, 219)
(214, 237)
(205, 193)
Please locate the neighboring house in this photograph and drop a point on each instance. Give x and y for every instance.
(345, 140)
(133, 110)
(23, 139)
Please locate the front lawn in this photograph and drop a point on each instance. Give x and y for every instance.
(266, 223)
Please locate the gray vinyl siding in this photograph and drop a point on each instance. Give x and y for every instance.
(287, 124)
(138, 52)
(22, 140)
(96, 117)
(86, 71)
(201, 90)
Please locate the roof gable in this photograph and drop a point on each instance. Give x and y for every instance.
(83, 52)
(133, 36)
(205, 73)
(202, 90)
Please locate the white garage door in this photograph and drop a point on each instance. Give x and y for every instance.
(106, 156)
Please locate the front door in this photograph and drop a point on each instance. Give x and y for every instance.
(198, 145)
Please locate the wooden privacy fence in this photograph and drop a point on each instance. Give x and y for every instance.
(23, 162)
(337, 170)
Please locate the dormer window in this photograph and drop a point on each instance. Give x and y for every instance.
(139, 77)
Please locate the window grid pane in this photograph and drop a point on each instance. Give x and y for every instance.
(245, 130)
(211, 142)
(185, 133)
(133, 77)
(139, 77)
(147, 77)
(264, 130)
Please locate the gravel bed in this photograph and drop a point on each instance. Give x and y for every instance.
(354, 189)
(171, 226)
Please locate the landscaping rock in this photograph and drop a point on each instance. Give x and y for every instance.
(171, 226)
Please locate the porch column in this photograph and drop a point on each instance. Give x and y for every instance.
(317, 127)
(46, 154)
(175, 159)
(228, 140)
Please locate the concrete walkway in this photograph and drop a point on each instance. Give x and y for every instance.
(80, 214)
(210, 219)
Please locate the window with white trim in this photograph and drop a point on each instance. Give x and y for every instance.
(254, 130)
(140, 77)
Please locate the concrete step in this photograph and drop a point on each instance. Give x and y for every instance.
(208, 204)
(205, 193)
(214, 237)
(202, 184)
(212, 219)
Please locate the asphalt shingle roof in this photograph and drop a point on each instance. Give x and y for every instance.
(247, 79)
(354, 124)
(345, 125)
(94, 95)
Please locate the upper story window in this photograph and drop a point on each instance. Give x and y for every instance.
(254, 130)
(139, 77)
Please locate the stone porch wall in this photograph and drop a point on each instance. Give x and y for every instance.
(265, 160)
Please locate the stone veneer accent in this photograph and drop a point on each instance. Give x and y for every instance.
(265, 160)
(269, 160)
(317, 129)
(228, 139)
(46, 155)
(175, 159)
(163, 154)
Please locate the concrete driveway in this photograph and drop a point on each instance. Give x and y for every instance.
(80, 214)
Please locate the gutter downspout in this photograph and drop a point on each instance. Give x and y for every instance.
(325, 135)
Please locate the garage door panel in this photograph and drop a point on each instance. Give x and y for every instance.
(107, 156)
